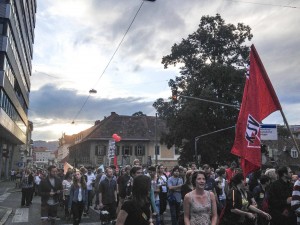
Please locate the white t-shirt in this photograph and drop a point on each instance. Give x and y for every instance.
(162, 181)
(90, 179)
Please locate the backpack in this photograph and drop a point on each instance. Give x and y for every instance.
(265, 204)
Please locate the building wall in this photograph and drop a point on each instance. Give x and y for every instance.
(17, 22)
(93, 153)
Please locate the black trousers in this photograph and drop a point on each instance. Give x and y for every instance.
(77, 210)
(162, 202)
(26, 196)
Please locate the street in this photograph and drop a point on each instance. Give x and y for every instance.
(11, 212)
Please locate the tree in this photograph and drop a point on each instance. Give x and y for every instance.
(212, 61)
(139, 113)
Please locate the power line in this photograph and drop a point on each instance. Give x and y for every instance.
(111, 58)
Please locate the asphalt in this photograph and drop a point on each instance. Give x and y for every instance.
(6, 186)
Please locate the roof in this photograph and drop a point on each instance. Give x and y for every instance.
(127, 127)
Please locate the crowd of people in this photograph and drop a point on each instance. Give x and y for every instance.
(140, 195)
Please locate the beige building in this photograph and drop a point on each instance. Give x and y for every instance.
(139, 134)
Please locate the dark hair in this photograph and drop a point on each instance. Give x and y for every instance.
(195, 174)
(113, 167)
(188, 176)
(152, 168)
(134, 169)
(160, 165)
(221, 171)
(140, 190)
(282, 170)
(50, 168)
(237, 178)
(82, 181)
(68, 175)
(175, 168)
(264, 179)
(205, 166)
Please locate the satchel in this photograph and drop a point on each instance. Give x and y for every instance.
(171, 198)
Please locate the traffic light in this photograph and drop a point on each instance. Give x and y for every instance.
(174, 96)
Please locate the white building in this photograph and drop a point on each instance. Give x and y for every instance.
(43, 156)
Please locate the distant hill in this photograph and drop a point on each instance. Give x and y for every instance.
(50, 145)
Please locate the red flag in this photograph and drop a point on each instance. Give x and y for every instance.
(116, 161)
(259, 101)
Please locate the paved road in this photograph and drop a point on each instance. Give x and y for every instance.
(11, 212)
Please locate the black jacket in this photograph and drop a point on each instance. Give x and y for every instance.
(45, 189)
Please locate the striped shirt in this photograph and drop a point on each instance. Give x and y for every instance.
(296, 200)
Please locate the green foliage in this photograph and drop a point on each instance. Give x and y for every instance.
(212, 66)
(139, 113)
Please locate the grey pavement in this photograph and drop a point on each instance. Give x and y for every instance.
(6, 187)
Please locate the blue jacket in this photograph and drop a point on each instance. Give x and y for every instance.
(74, 196)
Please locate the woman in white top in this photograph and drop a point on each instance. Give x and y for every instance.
(67, 183)
(78, 197)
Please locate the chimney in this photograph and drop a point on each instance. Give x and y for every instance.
(97, 122)
(113, 113)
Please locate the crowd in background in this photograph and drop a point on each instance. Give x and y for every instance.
(138, 194)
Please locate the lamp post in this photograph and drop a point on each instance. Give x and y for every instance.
(203, 135)
(155, 148)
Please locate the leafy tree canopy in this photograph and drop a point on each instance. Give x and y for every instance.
(139, 113)
(212, 64)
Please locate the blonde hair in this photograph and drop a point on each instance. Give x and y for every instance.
(272, 174)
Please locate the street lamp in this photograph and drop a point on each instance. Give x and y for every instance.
(203, 135)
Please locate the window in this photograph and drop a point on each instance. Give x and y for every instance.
(157, 150)
(139, 150)
(100, 150)
(127, 150)
(177, 151)
(294, 153)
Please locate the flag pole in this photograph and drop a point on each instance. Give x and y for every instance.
(288, 127)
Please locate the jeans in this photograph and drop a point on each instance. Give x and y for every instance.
(175, 210)
(77, 209)
(157, 217)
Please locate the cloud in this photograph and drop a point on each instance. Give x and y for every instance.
(64, 104)
(75, 50)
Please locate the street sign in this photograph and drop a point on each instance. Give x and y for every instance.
(268, 132)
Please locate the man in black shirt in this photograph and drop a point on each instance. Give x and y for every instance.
(108, 194)
(280, 197)
(122, 185)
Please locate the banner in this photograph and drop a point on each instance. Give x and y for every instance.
(259, 101)
(66, 167)
(111, 149)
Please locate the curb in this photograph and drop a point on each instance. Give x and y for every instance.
(6, 215)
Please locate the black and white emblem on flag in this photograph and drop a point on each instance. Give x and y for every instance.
(252, 132)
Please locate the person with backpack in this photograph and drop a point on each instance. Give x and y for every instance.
(162, 182)
(239, 210)
(260, 194)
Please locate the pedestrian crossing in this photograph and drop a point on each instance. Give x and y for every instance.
(21, 215)
(4, 197)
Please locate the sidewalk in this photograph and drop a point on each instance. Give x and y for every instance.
(6, 186)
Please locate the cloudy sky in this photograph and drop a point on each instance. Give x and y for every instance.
(76, 39)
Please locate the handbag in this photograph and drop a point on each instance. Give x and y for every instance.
(171, 198)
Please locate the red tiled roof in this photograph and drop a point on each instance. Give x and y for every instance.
(128, 127)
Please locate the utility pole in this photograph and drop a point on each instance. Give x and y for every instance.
(203, 135)
(155, 148)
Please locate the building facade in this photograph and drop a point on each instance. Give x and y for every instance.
(17, 23)
(42, 157)
(139, 135)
